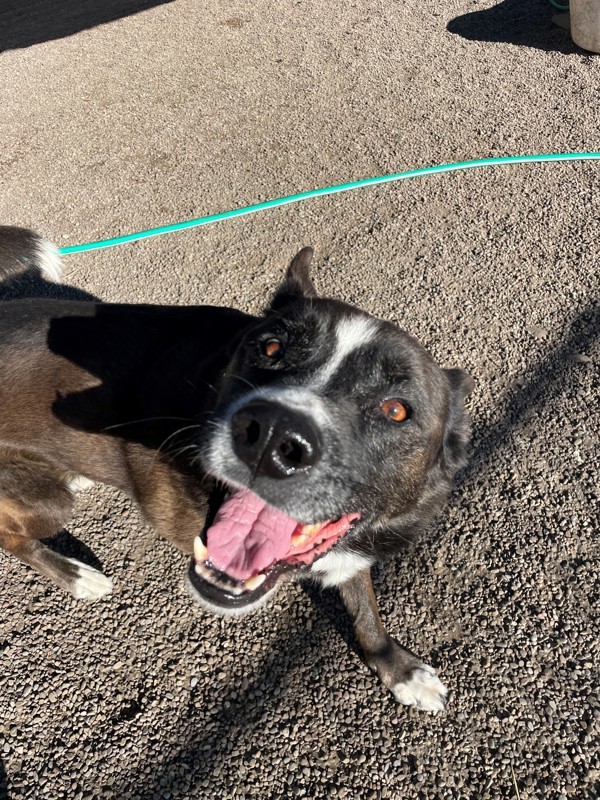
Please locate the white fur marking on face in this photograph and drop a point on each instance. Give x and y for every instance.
(300, 399)
(90, 583)
(423, 689)
(49, 261)
(351, 333)
(334, 568)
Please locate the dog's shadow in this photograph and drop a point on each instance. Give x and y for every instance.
(31, 285)
(67, 544)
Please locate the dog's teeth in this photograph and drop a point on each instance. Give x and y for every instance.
(298, 539)
(199, 570)
(200, 550)
(311, 530)
(254, 582)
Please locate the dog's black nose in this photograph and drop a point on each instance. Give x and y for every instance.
(273, 440)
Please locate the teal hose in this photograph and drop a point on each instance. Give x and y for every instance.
(342, 187)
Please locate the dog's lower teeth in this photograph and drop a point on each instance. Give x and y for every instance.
(254, 582)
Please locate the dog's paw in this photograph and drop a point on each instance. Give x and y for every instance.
(423, 689)
(89, 583)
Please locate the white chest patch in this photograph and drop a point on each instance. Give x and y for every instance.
(351, 333)
(333, 569)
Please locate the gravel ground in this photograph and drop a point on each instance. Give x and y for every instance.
(115, 121)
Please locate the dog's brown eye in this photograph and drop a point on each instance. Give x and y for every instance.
(272, 348)
(394, 409)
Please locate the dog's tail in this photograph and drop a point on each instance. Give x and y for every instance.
(21, 250)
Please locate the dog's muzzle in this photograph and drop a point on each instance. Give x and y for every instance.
(273, 440)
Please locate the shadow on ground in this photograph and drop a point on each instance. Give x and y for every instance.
(30, 284)
(3, 782)
(27, 22)
(515, 22)
(233, 720)
(539, 387)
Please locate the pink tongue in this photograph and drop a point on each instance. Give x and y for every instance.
(248, 535)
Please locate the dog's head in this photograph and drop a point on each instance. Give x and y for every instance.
(334, 438)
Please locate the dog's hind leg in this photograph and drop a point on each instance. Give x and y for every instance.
(412, 682)
(20, 531)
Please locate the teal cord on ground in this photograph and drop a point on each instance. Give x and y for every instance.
(342, 187)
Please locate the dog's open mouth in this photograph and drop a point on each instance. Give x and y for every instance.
(250, 544)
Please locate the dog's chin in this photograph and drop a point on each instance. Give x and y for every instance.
(223, 601)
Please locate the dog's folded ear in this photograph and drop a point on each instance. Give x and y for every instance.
(297, 281)
(457, 432)
(460, 381)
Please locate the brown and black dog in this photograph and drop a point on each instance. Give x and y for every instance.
(312, 441)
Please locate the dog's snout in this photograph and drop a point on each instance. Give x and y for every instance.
(273, 440)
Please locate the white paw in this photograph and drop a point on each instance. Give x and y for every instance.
(423, 689)
(90, 583)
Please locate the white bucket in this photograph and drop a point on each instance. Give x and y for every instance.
(585, 24)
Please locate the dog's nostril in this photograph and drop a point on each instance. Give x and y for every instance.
(252, 432)
(292, 452)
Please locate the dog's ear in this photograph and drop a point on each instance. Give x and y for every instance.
(457, 432)
(460, 381)
(297, 281)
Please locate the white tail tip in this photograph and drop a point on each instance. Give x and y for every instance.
(49, 261)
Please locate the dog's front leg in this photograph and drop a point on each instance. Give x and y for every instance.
(412, 682)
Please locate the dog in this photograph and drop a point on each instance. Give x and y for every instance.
(311, 442)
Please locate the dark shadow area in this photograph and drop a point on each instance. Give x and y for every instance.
(3, 783)
(241, 709)
(70, 546)
(540, 386)
(150, 359)
(515, 22)
(330, 604)
(27, 22)
(156, 370)
(30, 284)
